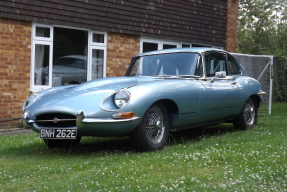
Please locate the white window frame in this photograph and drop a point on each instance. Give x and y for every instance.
(161, 42)
(96, 45)
(89, 73)
(49, 41)
(32, 80)
(34, 37)
(190, 44)
(91, 43)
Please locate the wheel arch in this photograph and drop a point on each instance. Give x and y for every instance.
(257, 99)
(172, 110)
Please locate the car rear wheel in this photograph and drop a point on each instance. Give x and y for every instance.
(247, 119)
(62, 143)
(152, 132)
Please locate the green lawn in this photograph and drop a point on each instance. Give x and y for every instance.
(216, 158)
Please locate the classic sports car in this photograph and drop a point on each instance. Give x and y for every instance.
(162, 91)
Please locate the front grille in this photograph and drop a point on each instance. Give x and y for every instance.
(56, 120)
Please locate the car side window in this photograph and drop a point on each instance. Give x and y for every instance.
(233, 67)
(214, 62)
(199, 68)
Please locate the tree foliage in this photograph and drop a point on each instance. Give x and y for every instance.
(263, 27)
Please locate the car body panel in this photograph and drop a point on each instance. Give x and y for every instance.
(221, 94)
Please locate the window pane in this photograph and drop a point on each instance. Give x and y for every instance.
(98, 38)
(69, 56)
(164, 64)
(214, 62)
(185, 45)
(97, 63)
(166, 46)
(199, 68)
(136, 70)
(198, 45)
(42, 32)
(42, 53)
(233, 66)
(149, 47)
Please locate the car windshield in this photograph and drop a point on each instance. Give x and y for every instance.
(166, 65)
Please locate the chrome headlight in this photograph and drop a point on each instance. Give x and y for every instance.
(122, 98)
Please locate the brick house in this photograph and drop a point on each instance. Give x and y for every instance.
(99, 37)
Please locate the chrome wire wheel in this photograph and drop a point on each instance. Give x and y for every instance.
(154, 125)
(247, 118)
(152, 132)
(249, 112)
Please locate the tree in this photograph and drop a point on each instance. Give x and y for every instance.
(263, 27)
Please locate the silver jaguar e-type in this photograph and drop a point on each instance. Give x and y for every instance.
(162, 91)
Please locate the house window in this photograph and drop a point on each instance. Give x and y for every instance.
(167, 46)
(98, 38)
(150, 44)
(69, 56)
(43, 32)
(64, 56)
(42, 61)
(195, 45)
(149, 47)
(185, 45)
(98, 56)
(199, 45)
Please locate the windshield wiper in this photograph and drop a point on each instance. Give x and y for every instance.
(163, 76)
(189, 76)
(176, 76)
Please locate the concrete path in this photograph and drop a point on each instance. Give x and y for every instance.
(15, 131)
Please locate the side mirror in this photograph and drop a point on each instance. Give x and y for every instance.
(220, 74)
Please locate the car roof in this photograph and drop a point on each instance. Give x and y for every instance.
(177, 50)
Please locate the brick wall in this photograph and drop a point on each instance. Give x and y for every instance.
(121, 48)
(232, 26)
(15, 52)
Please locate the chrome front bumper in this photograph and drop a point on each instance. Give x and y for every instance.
(81, 120)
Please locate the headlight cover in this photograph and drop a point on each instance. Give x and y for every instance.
(31, 98)
(122, 98)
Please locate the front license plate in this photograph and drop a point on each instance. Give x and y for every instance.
(58, 133)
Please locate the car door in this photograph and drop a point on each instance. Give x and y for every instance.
(222, 93)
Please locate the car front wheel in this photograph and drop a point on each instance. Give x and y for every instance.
(247, 119)
(152, 132)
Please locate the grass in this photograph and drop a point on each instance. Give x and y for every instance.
(215, 158)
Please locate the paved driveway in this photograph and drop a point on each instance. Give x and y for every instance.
(14, 131)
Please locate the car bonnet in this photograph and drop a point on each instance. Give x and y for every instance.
(88, 95)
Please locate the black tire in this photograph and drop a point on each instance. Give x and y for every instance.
(152, 132)
(62, 143)
(247, 119)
